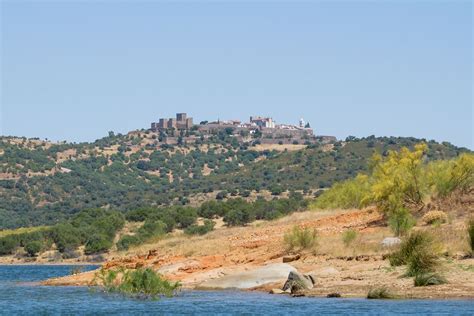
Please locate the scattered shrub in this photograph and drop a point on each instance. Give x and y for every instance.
(150, 229)
(401, 221)
(8, 244)
(140, 283)
(380, 293)
(433, 217)
(127, 241)
(349, 236)
(200, 229)
(427, 279)
(470, 231)
(300, 239)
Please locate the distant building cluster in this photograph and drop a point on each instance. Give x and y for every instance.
(181, 122)
(263, 128)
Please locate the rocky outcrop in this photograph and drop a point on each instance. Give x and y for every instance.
(297, 282)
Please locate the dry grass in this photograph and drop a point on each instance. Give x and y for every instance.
(267, 236)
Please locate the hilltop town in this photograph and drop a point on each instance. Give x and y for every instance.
(263, 130)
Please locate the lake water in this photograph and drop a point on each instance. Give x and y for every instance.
(20, 297)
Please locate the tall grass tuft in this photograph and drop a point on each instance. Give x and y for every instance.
(416, 241)
(422, 261)
(139, 283)
(300, 239)
(420, 253)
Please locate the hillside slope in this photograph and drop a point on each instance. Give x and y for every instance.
(44, 183)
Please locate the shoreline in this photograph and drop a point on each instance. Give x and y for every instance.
(52, 264)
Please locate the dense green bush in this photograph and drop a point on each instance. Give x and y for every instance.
(238, 217)
(97, 243)
(186, 216)
(32, 248)
(94, 228)
(66, 237)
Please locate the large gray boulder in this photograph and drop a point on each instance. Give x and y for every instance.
(271, 273)
(297, 282)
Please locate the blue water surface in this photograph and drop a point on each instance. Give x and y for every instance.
(18, 296)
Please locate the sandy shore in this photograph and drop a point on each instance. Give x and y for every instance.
(350, 271)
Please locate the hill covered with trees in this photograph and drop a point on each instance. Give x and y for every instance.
(44, 183)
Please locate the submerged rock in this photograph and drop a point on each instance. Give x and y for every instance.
(334, 295)
(278, 291)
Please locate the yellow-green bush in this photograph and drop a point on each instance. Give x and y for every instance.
(447, 176)
(401, 180)
(354, 193)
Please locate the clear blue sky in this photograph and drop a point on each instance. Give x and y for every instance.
(75, 70)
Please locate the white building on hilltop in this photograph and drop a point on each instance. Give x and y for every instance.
(262, 121)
